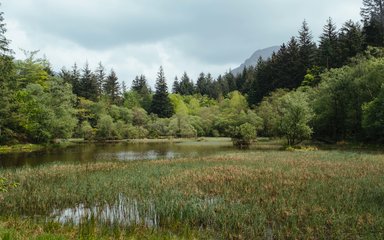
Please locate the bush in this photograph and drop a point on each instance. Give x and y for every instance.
(243, 135)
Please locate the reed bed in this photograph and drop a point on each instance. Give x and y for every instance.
(241, 195)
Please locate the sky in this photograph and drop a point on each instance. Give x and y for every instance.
(138, 36)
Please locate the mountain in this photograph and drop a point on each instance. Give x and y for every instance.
(252, 61)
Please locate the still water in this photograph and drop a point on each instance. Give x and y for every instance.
(95, 152)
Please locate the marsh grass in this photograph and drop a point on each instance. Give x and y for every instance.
(241, 195)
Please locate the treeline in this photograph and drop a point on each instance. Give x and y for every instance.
(331, 91)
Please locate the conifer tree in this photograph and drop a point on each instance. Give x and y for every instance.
(6, 70)
(373, 18)
(186, 85)
(307, 48)
(329, 46)
(351, 40)
(176, 86)
(111, 87)
(75, 80)
(100, 78)
(161, 104)
(88, 84)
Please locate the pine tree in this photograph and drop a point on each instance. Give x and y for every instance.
(5, 50)
(75, 80)
(373, 18)
(123, 88)
(351, 40)
(100, 78)
(161, 104)
(111, 87)
(201, 84)
(88, 84)
(307, 48)
(186, 85)
(6, 86)
(329, 46)
(139, 84)
(176, 86)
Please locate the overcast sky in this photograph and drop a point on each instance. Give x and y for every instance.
(137, 36)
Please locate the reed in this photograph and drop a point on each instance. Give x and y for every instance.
(241, 195)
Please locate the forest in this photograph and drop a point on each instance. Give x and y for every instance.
(329, 90)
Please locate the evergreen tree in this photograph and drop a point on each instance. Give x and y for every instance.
(307, 48)
(88, 84)
(65, 75)
(6, 86)
(329, 47)
(161, 104)
(351, 40)
(100, 78)
(176, 86)
(139, 84)
(75, 80)
(231, 81)
(111, 87)
(373, 18)
(186, 85)
(223, 85)
(123, 88)
(202, 85)
(5, 50)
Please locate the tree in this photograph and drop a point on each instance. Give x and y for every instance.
(176, 86)
(307, 48)
(161, 105)
(268, 110)
(186, 86)
(88, 84)
(373, 118)
(100, 78)
(329, 47)
(144, 97)
(111, 87)
(5, 50)
(243, 135)
(373, 18)
(295, 115)
(351, 41)
(6, 93)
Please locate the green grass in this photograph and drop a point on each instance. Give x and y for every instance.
(21, 148)
(241, 195)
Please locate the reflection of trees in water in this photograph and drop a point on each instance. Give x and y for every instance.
(94, 152)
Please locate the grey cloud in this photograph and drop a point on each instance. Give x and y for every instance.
(211, 31)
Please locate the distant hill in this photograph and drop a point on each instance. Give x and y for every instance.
(252, 61)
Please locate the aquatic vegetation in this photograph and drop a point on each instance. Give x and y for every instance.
(239, 195)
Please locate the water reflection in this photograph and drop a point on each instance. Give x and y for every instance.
(124, 212)
(85, 153)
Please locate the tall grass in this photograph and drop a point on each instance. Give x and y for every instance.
(242, 195)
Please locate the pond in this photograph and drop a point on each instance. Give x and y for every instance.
(123, 151)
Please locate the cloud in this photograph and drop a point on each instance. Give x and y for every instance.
(137, 37)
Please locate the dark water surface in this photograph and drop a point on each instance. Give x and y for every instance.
(94, 152)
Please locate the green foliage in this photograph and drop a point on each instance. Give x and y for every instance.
(112, 88)
(243, 135)
(269, 112)
(373, 118)
(31, 71)
(295, 115)
(329, 49)
(87, 131)
(161, 105)
(106, 128)
(340, 96)
(6, 185)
